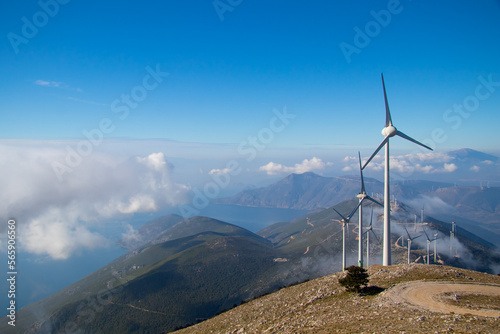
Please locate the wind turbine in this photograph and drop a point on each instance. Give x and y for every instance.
(452, 237)
(428, 246)
(388, 131)
(362, 196)
(435, 253)
(409, 243)
(344, 222)
(368, 230)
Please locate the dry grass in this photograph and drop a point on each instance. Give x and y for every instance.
(472, 301)
(322, 306)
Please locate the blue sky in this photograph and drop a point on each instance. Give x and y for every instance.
(226, 76)
(161, 98)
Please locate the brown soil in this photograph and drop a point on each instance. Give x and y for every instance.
(432, 296)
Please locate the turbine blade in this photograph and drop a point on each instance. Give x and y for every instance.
(371, 219)
(348, 237)
(340, 214)
(361, 172)
(388, 120)
(427, 236)
(418, 236)
(373, 200)
(375, 234)
(408, 234)
(402, 135)
(386, 139)
(353, 211)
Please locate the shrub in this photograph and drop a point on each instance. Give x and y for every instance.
(355, 278)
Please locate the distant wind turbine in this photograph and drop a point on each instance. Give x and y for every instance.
(428, 247)
(388, 131)
(410, 239)
(435, 253)
(345, 222)
(368, 230)
(362, 196)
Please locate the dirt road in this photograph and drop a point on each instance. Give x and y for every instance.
(427, 295)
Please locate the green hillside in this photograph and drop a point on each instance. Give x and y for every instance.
(159, 287)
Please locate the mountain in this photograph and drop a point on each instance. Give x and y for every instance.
(476, 208)
(470, 155)
(171, 227)
(322, 306)
(147, 232)
(159, 287)
(314, 243)
(305, 191)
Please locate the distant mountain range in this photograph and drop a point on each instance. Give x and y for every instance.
(470, 155)
(307, 191)
(198, 267)
(474, 206)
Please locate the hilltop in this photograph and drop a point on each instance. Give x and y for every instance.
(322, 306)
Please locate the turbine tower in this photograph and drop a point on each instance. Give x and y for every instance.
(362, 196)
(368, 230)
(435, 253)
(452, 237)
(388, 131)
(345, 222)
(428, 248)
(409, 243)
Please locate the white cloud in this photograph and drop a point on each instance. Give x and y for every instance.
(303, 167)
(349, 159)
(487, 162)
(274, 168)
(47, 83)
(217, 171)
(449, 168)
(426, 163)
(56, 84)
(56, 235)
(155, 161)
(475, 168)
(347, 169)
(61, 218)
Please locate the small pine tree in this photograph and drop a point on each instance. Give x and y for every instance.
(355, 278)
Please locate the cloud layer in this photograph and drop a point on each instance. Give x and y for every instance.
(426, 163)
(60, 218)
(306, 165)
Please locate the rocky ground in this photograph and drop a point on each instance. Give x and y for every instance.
(322, 306)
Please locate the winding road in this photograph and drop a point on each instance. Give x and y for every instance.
(427, 295)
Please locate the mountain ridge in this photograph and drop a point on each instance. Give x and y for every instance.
(306, 191)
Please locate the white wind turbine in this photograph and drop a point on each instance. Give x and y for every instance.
(368, 230)
(435, 253)
(428, 247)
(362, 196)
(409, 243)
(388, 131)
(345, 222)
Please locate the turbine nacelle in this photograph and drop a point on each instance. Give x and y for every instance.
(389, 131)
(361, 196)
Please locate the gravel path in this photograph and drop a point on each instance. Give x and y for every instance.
(427, 295)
